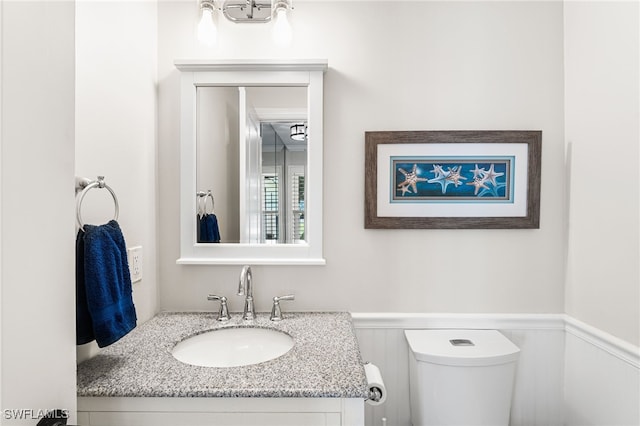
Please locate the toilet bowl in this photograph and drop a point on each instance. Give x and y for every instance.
(461, 377)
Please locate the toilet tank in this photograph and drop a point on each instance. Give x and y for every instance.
(461, 377)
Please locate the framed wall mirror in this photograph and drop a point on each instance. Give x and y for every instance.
(251, 162)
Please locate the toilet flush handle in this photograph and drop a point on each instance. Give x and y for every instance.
(461, 342)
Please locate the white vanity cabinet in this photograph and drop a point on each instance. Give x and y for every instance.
(109, 411)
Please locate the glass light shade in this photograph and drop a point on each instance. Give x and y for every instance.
(282, 33)
(206, 28)
(298, 132)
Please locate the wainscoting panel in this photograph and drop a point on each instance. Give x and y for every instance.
(602, 386)
(387, 348)
(537, 394)
(538, 389)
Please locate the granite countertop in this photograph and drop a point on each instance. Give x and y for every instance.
(325, 361)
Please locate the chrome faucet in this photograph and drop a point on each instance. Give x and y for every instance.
(276, 312)
(245, 288)
(223, 314)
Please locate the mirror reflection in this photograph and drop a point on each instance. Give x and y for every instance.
(251, 164)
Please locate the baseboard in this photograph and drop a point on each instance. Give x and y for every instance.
(605, 341)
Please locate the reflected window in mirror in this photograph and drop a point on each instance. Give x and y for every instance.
(284, 163)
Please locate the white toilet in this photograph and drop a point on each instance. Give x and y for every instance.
(461, 377)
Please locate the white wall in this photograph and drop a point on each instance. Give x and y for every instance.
(416, 66)
(602, 124)
(38, 293)
(602, 121)
(116, 51)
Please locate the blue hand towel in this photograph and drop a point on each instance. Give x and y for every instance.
(84, 328)
(107, 286)
(203, 229)
(215, 230)
(208, 231)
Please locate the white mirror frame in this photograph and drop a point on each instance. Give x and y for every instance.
(198, 73)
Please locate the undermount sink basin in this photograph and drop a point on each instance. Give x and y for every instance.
(233, 347)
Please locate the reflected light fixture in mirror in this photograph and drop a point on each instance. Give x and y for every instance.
(298, 132)
(247, 11)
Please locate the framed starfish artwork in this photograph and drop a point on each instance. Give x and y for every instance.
(452, 179)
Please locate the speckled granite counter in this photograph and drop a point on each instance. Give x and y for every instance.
(325, 361)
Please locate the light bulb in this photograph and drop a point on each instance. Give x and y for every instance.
(282, 33)
(206, 28)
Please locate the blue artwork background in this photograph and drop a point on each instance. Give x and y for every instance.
(422, 179)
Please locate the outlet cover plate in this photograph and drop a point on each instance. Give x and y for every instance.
(135, 263)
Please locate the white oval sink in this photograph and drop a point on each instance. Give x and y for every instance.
(233, 347)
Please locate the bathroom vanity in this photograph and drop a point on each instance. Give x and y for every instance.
(137, 381)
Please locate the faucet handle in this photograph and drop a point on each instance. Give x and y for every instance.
(223, 315)
(276, 313)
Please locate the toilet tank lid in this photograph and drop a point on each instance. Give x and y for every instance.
(461, 347)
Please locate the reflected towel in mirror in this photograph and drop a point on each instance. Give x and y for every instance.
(208, 229)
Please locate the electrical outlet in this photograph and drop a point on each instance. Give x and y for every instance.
(135, 263)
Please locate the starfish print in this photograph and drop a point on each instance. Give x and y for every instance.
(478, 172)
(442, 178)
(437, 170)
(491, 175)
(454, 176)
(478, 183)
(404, 189)
(411, 178)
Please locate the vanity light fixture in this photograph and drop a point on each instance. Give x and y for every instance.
(299, 132)
(246, 11)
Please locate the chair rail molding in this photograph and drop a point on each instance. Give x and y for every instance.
(615, 346)
(453, 320)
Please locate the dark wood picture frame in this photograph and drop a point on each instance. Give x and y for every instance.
(531, 220)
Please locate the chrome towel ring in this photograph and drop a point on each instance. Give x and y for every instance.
(202, 202)
(99, 183)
